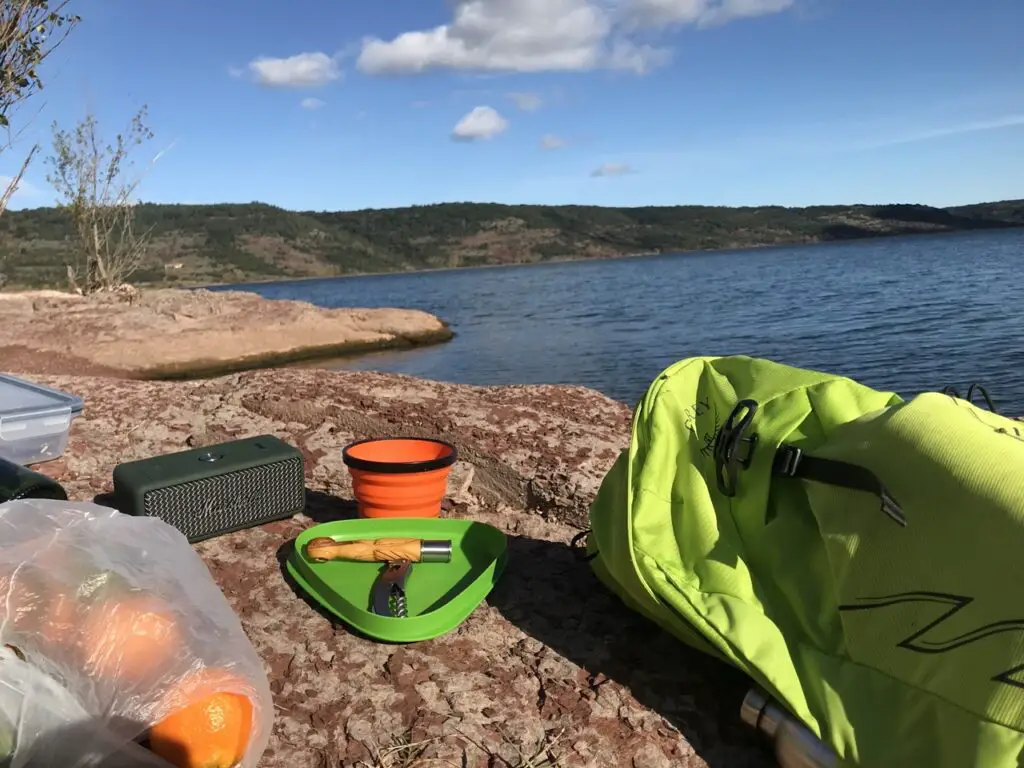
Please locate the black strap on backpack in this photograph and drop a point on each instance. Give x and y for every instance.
(735, 445)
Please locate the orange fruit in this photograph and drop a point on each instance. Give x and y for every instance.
(46, 611)
(57, 625)
(25, 599)
(131, 639)
(28, 597)
(208, 725)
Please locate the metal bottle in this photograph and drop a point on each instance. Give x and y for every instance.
(794, 744)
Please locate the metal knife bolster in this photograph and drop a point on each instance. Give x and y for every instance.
(389, 589)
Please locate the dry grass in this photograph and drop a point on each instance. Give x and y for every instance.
(402, 752)
(538, 755)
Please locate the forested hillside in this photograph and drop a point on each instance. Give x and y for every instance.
(231, 243)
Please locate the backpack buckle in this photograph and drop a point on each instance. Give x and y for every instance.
(787, 460)
(731, 438)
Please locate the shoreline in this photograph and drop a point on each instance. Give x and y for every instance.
(184, 285)
(208, 369)
(427, 270)
(161, 334)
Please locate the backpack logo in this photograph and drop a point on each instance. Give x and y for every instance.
(926, 640)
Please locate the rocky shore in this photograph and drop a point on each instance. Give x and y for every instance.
(162, 334)
(551, 670)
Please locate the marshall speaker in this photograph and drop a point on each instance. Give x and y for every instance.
(217, 489)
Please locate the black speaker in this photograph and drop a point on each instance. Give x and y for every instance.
(217, 489)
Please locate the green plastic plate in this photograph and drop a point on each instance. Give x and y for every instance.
(439, 596)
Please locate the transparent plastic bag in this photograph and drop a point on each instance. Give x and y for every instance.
(109, 624)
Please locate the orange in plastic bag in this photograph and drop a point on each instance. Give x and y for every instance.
(120, 634)
(132, 638)
(209, 726)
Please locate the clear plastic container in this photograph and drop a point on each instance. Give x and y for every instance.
(34, 420)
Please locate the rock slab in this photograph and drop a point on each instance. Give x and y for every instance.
(551, 670)
(159, 334)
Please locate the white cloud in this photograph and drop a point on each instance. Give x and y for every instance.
(549, 35)
(311, 103)
(612, 169)
(23, 190)
(550, 141)
(1007, 121)
(498, 35)
(303, 70)
(480, 123)
(528, 102)
(701, 13)
(638, 59)
(868, 134)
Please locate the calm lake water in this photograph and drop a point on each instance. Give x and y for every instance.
(906, 314)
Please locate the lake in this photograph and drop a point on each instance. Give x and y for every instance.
(906, 314)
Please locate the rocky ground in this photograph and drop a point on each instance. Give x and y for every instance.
(550, 671)
(128, 333)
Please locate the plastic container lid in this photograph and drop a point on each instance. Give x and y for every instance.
(22, 401)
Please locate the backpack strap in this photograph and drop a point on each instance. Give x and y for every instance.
(735, 445)
(969, 397)
(791, 461)
(984, 393)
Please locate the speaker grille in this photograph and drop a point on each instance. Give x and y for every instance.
(233, 500)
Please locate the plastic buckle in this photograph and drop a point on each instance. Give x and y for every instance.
(731, 437)
(787, 460)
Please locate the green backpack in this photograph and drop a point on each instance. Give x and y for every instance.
(859, 556)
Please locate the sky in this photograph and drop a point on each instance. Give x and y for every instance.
(342, 105)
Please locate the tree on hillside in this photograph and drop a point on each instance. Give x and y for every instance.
(96, 186)
(30, 30)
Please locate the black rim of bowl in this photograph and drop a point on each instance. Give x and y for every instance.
(398, 467)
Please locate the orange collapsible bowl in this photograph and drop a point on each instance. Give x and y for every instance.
(399, 476)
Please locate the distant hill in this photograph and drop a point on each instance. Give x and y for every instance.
(194, 244)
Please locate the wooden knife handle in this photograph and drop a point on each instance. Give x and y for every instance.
(366, 550)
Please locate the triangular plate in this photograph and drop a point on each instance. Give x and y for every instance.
(439, 595)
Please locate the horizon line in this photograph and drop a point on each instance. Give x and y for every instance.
(1010, 200)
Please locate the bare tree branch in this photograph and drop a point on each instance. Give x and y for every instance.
(12, 187)
(96, 188)
(30, 30)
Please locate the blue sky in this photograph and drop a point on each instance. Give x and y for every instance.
(337, 104)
